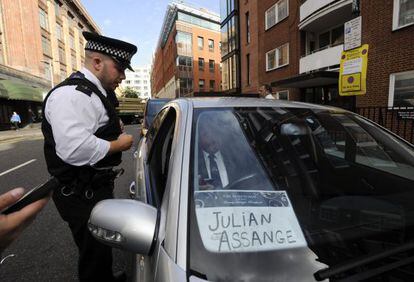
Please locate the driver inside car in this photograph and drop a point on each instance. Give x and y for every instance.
(216, 165)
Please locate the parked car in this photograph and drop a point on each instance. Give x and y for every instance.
(238, 189)
(152, 107)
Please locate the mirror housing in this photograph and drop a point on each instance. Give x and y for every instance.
(125, 224)
(144, 131)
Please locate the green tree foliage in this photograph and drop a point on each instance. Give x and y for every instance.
(130, 92)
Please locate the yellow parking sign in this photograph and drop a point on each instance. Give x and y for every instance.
(353, 71)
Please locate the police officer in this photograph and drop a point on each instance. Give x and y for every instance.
(84, 142)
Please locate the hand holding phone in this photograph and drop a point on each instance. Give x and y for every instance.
(33, 195)
(13, 224)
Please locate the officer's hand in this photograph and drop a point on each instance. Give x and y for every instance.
(123, 143)
(13, 224)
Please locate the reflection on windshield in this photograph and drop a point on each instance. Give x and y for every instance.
(347, 184)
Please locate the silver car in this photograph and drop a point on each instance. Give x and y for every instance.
(242, 189)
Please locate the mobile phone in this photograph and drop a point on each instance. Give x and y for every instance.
(33, 195)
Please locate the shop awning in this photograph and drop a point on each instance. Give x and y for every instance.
(10, 89)
(314, 79)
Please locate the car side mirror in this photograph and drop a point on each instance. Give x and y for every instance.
(125, 224)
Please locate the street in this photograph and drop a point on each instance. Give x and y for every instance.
(45, 251)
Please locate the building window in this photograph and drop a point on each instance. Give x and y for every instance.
(283, 95)
(201, 83)
(211, 65)
(277, 58)
(212, 85)
(137, 81)
(276, 13)
(401, 89)
(46, 46)
(62, 57)
(127, 81)
(184, 43)
(403, 13)
(57, 8)
(185, 63)
(186, 86)
(73, 62)
(145, 81)
(200, 42)
(59, 33)
(247, 28)
(62, 75)
(211, 45)
(44, 23)
(48, 71)
(72, 42)
(145, 88)
(248, 69)
(201, 64)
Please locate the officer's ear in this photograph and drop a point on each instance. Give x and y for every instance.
(97, 63)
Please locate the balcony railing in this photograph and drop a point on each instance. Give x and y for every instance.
(328, 56)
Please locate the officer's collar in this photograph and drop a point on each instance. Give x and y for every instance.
(91, 77)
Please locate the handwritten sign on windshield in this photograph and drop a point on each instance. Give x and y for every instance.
(247, 221)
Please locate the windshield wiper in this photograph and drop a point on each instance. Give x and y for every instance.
(343, 267)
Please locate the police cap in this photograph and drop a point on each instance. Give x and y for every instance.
(120, 51)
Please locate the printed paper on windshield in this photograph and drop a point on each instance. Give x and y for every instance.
(247, 221)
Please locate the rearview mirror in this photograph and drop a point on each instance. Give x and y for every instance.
(295, 129)
(124, 224)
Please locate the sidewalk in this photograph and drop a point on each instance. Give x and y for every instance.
(24, 133)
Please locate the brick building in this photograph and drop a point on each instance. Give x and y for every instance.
(296, 45)
(187, 58)
(41, 43)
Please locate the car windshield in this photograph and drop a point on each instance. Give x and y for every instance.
(154, 106)
(284, 193)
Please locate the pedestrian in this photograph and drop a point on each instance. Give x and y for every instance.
(13, 224)
(32, 117)
(84, 142)
(15, 120)
(265, 91)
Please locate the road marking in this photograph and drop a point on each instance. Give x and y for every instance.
(17, 167)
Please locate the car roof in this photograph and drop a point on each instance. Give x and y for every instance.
(223, 102)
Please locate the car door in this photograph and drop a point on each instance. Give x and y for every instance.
(154, 171)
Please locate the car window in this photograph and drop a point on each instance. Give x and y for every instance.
(153, 130)
(160, 152)
(152, 108)
(272, 186)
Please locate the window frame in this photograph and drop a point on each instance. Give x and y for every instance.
(200, 39)
(395, 17)
(277, 54)
(391, 92)
(199, 84)
(275, 7)
(211, 48)
(43, 19)
(201, 64)
(282, 91)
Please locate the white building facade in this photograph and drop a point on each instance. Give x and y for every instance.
(139, 80)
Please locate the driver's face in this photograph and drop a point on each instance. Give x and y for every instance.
(209, 141)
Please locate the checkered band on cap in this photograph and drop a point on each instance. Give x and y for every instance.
(110, 50)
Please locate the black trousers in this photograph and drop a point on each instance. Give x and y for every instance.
(95, 258)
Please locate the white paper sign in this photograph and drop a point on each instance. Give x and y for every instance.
(352, 34)
(269, 224)
(352, 66)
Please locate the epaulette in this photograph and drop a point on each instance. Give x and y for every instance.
(84, 89)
